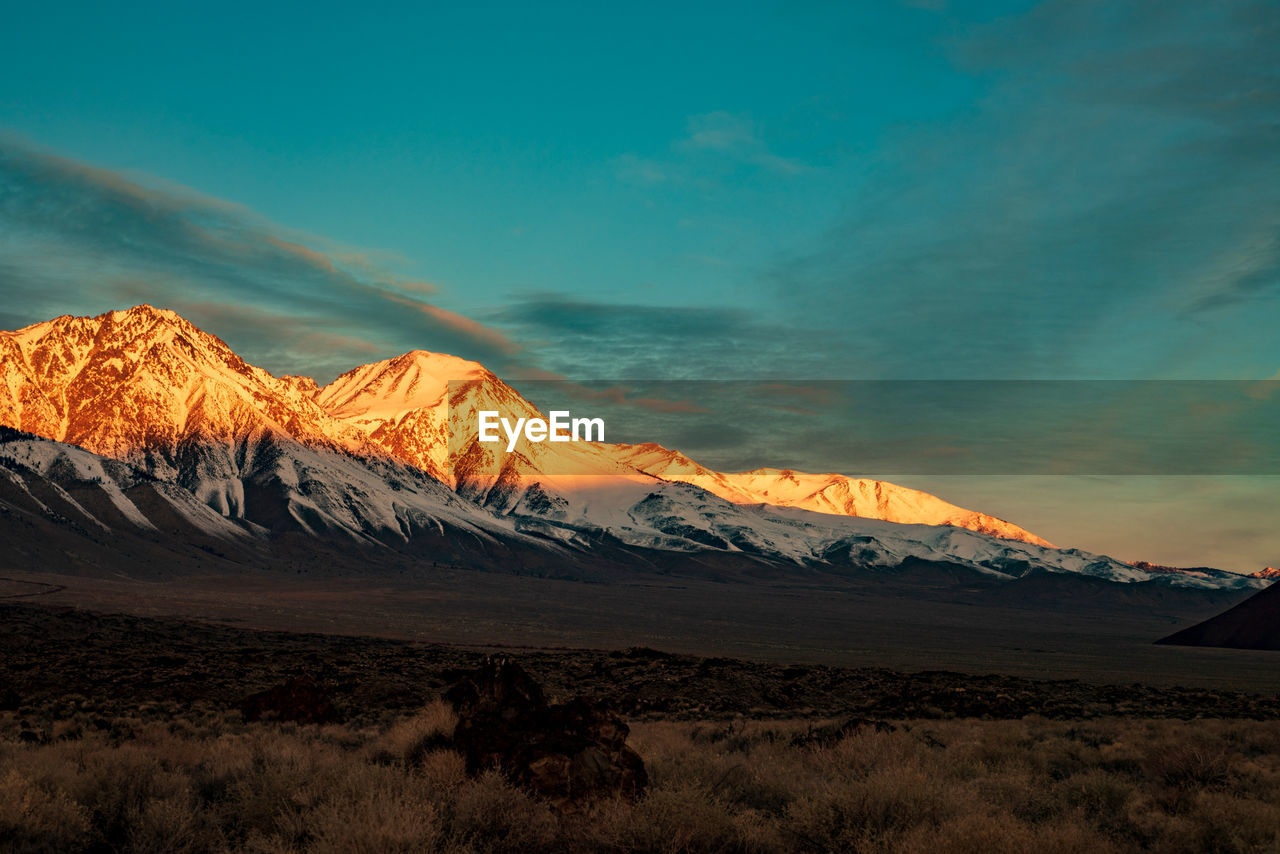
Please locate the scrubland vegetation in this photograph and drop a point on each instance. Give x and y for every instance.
(173, 778)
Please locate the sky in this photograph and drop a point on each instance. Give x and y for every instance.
(1061, 190)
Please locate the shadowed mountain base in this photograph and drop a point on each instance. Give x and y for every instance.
(1253, 624)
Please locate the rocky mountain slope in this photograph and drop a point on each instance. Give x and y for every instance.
(145, 385)
(822, 493)
(408, 408)
(386, 455)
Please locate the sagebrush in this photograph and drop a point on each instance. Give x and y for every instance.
(195, 780)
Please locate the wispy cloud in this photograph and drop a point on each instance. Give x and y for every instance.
(1111, 207)
(712, 142)
(466, 326)
(640, 170)
(585, 338)
(736, 137)
(541, 385)
(75, 238)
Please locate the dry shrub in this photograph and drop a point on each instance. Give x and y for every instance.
(849, 814)
(409, 741)
(208, 782)
(1224, 823)
(1198, 765)
(32, 819)
(1019, 794)
(679, 819)
(1102, 796)
(171, 825)
(442, 771)
(384, 820)
(491, 814)
(1002, 834)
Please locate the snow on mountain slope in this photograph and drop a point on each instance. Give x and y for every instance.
(675, 516)
(147, 387)
(139, 382)
(390, 389)
(423, 409)
(387, 455)
(402, 407)
(651, 497)
(66, 468)
(291, 488)
(405, 407)
(822, 493)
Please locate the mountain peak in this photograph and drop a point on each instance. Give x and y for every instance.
(147, 310)
(414, 380)
(142, 381)
(116, 328)
(130, 381)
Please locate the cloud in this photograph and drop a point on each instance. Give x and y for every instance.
(541, 384)
(1246, 273)
(713, 144)
(584, 338)
(1109, 207)
(78, 239)
(639, 170)
(452, 320)
(670, 407)
(416, 287)
(736, 137)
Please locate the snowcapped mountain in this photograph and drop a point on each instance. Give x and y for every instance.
(422, 409)
(100, 493)
(822, 493)
(143, 381)
(146, 387)
(141, 402)
(405, 407)
(401, 405)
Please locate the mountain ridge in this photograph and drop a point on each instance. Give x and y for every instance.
(396, 406)
(374, 456)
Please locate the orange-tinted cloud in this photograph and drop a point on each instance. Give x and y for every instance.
(473, 328)
(319, 260)
(458, 323)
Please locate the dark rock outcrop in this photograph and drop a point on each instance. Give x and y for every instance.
(299, 699)
(565, 752)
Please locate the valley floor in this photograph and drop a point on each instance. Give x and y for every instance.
(119, 733)
(827, 620)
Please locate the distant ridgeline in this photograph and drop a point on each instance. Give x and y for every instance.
(159, 429)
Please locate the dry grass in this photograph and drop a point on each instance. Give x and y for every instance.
(204, 781)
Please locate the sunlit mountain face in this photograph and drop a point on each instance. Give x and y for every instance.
(387, 455)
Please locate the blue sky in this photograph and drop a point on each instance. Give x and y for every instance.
(918, 190)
